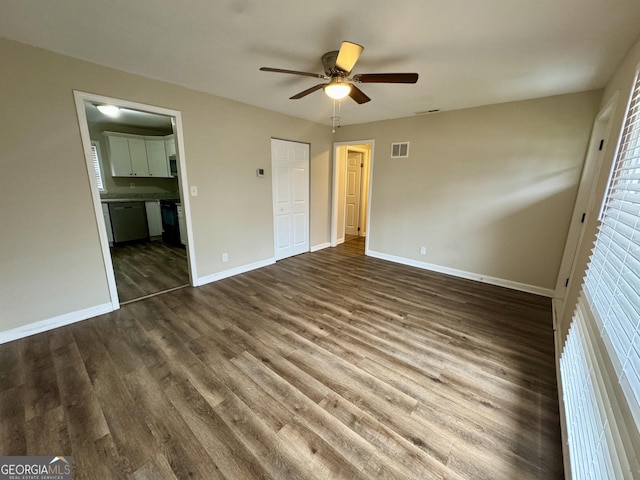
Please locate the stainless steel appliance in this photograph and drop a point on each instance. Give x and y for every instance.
(128, 221)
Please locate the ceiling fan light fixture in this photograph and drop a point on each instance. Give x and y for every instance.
(337, 89)
(109, 110)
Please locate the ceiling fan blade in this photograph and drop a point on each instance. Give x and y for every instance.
(348, 56)
(307, 91)
(358, 95)
(386, 78)
(293, 72)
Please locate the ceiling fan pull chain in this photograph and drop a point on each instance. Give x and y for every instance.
(333, 118)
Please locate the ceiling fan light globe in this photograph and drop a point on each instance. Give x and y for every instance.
(337, 90)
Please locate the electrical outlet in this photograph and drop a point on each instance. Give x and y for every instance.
(423, 250)
(225, 257)
(132, 185)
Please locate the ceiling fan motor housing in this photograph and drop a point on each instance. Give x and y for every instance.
(329, 64)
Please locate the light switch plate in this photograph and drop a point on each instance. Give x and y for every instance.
(194, 191)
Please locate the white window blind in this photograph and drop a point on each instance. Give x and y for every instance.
(596, 448)
(95, 157)
(600, 362)
(612, 282)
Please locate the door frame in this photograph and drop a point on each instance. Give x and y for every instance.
(585, 200)
(335, 201)
(80, 98)
(362, 153)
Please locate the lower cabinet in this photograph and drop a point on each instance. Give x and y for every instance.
(107, 222)
(154, 218)
(182, 223)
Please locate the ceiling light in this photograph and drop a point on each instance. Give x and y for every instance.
(109, 110)
(337, 89)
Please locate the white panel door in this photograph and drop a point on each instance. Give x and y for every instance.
(352, 187)
(290, 170)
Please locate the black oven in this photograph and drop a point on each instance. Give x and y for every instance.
(170, 225)
(173, 166)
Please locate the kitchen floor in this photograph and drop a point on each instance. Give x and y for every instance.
(147, 268)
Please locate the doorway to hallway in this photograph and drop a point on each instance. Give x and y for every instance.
(352, 165)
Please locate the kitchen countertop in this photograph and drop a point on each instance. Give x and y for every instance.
(146, 198)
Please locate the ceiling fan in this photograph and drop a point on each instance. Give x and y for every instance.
(337, 67)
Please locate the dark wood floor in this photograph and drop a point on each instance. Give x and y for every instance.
(146, 268)
(328, 365)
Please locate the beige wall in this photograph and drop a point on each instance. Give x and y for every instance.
(622, 84)
(50, 254)
(487, 190)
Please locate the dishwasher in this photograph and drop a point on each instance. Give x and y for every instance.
(128, 221)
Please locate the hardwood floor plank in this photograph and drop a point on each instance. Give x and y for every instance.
(229, 454)
(258, 438)
(158, 467)
(12, 426)
(46, 434)
(172, 436)
(307, 413)
(401, 453)
(11, 366)
(41, 394)
(131, 437)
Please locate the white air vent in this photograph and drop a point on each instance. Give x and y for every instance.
(400, 150)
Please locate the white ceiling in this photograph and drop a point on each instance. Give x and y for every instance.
(467, 52)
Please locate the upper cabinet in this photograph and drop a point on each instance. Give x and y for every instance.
(139, 156)
(157, 158)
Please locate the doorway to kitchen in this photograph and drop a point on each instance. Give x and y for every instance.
(350, 213)
(137, 178)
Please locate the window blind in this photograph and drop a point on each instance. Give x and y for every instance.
(600, 361)
(95, 157)
(595, 445)
(612, 281)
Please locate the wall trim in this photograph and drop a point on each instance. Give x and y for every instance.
(214, 277)
(54, 322)
(320, 246)
(523, 287)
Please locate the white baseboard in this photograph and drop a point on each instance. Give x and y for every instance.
(321, 246)
(55, 322)
(214, 277)
(523, 287)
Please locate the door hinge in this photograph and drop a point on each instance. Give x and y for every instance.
(601, 144)
(362, 165)
(566, 284)
(358, 228)
(583, 217)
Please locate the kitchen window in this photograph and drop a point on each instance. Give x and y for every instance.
(96, 157)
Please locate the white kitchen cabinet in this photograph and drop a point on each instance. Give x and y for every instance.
(154, 218)
(119, 156)
(138, 155)
(170, 145)
(138, 152)
(107, 222)
(157, 158)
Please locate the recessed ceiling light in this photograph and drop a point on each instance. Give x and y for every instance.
(109, 110)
